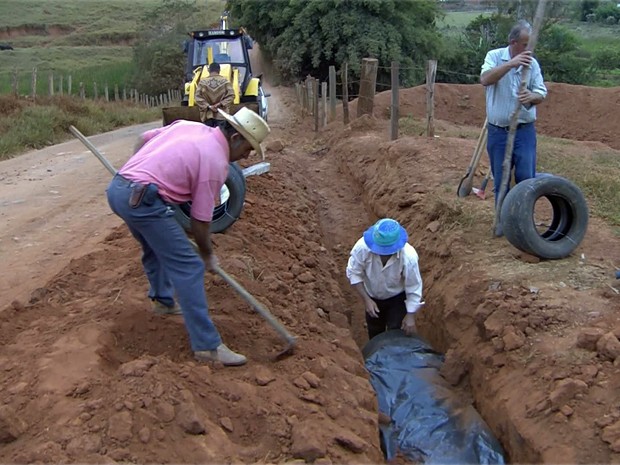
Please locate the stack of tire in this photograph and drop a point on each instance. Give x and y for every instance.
(568, 224)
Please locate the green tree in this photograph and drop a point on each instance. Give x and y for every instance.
(158, 54)
(307, 36)
(585, 8)
(558, 54)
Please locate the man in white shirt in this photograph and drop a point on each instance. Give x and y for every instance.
(501, 78)
(383, 269)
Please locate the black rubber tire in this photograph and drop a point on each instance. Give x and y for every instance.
(224, 215)
(569, 223)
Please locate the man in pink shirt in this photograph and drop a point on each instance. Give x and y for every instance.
(184, 161)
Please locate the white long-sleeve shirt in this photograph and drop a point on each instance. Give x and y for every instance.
(400, 273)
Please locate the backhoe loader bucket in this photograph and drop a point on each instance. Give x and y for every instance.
(172, 114)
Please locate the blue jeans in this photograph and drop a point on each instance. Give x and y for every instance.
(523, 153)
(169, 260)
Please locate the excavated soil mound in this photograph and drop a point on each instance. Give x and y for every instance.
(89, 375)
(571, 112)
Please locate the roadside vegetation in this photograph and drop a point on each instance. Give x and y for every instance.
(25, 125)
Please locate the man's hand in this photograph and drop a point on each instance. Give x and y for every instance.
(527, 97)
(211, 262)
(408, 325)
(371, 308)
(522, 59)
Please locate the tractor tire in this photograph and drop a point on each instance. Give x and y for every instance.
(225, 214)
(568, 224)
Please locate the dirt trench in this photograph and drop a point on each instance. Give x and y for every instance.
(90, 375)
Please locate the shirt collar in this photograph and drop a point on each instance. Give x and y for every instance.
(505, 54)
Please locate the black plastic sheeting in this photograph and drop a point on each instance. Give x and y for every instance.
(429, 424)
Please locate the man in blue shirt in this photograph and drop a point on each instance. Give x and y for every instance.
(501, 76)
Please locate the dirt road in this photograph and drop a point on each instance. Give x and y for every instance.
(53, 209)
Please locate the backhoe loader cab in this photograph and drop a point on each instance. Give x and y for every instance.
(229, 48)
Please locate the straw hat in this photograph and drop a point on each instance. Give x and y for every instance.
(385, 237)
(250, 125)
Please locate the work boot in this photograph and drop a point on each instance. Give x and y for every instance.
(162, 309)
(222, 354)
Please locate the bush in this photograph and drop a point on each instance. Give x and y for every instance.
(586, 8)
(607, 10)
(606, 59)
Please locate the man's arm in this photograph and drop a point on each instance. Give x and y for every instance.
(202, 235)
(355, 274)
(536, 91)
(491, 76)
(413, 284)
(228, 98)
(201, 96)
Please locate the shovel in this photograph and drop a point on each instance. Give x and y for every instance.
(234, 284)
(467, 182)
(266, 314)
(480, 193)
(260, 309)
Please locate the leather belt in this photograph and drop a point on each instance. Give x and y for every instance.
(125, 180)
(506, 128)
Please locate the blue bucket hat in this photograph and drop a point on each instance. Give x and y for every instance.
(385, 237)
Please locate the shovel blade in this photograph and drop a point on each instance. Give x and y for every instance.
(465, 186)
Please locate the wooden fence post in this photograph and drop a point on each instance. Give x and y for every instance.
(116, 95)
(304, 98)
(69, 85)
(34, 83)
(60, 84)
(15, 83)
(82, 91)
(50, 81)
(95, 90)
(324, 105)
(310, 95)
(345, 92)
(106, 92)
(394, 110)
(368, 84)
(431, 72)
(332, 93)
(315, 103)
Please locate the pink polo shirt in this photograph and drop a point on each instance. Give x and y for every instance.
(188, 161)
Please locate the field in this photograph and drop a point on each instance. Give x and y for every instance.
(87, 39)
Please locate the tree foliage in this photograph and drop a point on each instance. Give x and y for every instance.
(307, 36)
(158, 54)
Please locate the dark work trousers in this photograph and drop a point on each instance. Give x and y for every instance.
(216, 123)
(523, 153)
(391, 314)
(170, 262)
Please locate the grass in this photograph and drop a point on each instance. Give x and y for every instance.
(459, 19)
(87, 39)
(25, 125)
(78, 14)
(597, 175)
